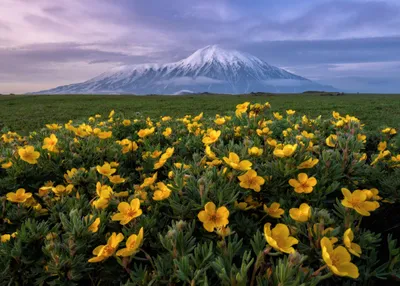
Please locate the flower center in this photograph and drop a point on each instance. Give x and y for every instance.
(252, 181)
(214, 217)
(334, 260)
(131, 213)
(108, 250)
(132, 244)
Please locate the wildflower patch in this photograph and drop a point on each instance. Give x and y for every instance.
(250, 198)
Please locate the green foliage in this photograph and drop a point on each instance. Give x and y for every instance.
(193, 216)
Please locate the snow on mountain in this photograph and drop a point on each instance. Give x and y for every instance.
(210, 69)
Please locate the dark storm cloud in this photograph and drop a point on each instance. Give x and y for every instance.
(326, 51)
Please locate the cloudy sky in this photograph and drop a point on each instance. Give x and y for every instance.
(351, 44)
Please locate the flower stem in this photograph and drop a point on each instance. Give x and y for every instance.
(257, 265)
(318, 271)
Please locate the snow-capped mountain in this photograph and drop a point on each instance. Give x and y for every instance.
(210, 69)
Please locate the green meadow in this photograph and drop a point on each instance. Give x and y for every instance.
(24, 113)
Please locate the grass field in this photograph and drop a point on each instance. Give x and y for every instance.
(26, 113)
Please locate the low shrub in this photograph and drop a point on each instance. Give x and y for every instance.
(250, 198)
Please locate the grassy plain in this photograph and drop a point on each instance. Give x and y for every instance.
(24, 113)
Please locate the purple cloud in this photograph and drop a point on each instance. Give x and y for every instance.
(44, 43)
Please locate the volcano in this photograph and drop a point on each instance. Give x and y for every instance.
(210, 69)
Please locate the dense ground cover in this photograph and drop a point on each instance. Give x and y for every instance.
(251, 197)
(25, 113)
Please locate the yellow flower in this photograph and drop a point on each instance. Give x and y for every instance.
(126, 122)
(149, 181)
(390, 131)
(352, 247)
(380, 156)
(167, 132)
(237, 130)
(7, 165)
(340, 123)
(19, 196)
(101, 203)
(223, 231)
(50, 143)
(102, 252)
(303, 184)
(335, 114)
(235, 163)
(382, 146)
(44, 190)
(104, 134)
(104, 193)
(277, 115)
(290, 112)
(308, 164)
(128, 145)
(362, 138)
(166, 118)
(220, 121)
(162, 192)
(250, 180)
(132, 244)
(94, 227)
(272, 142)
(116, 179)
(301, 214)
(106, 169)
(287, 132)
(243, 206)
(168, 153)
(279, 238)
(264, 131)
(285, 151)
(159, 164)
(363, 157)
(146, 132)
(61, 190)
(70, 174)
(241, 108)
(53, 126)
(215, 162)
(372, 194)
(358, 201)
(28, 154)
(255, 151)
(114, 164)
(307, 135)
(127, 212)
(338, 259)
(156, 154)
(274, 210)
(211, 136)
(213, 218)
(210, 154)
(5, 237)
(331, 140)
(180, 165)
(198, 117)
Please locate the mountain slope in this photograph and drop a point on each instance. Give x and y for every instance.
(210, 69)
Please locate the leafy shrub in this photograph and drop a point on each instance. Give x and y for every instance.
(251, 198)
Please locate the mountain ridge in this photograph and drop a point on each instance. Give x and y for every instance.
(210, 69)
